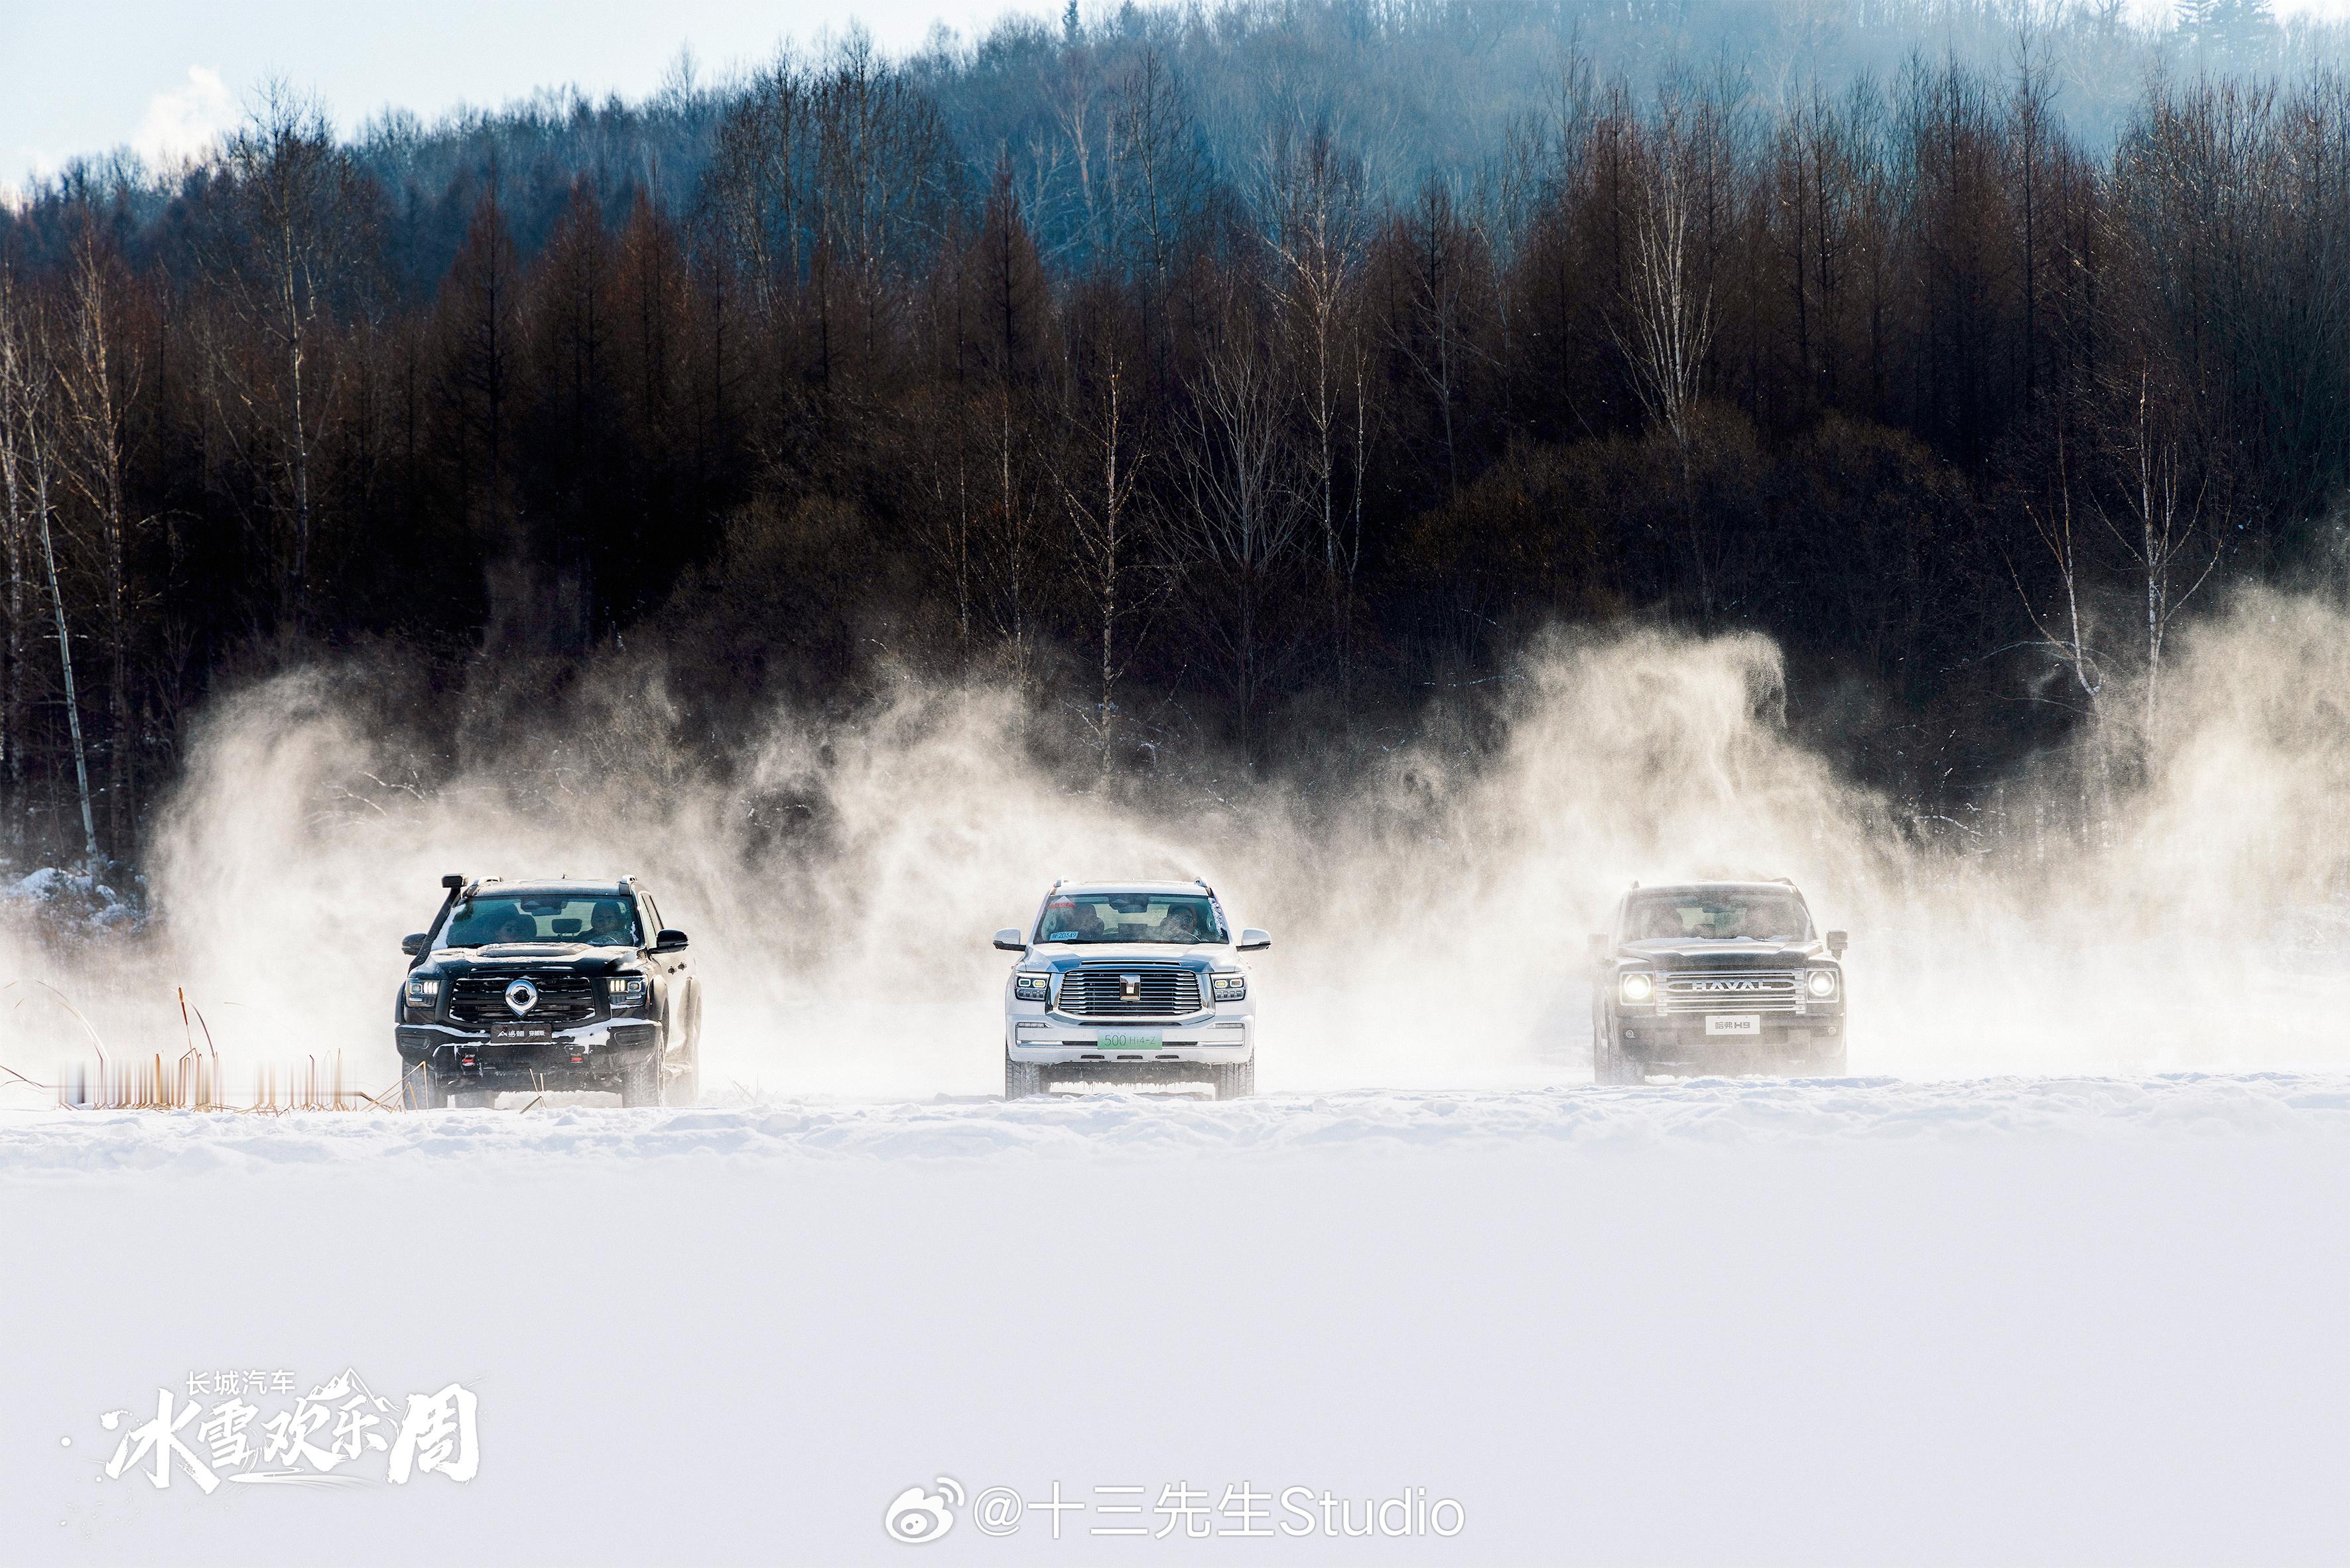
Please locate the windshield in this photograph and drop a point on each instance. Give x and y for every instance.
(1179, 919)
(606, 921)
(1716, 914)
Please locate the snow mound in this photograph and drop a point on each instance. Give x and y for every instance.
(70, 899)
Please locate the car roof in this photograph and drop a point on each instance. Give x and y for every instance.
(1138, 886)
(1721, 887)
(501, 887)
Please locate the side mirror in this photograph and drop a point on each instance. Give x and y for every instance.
(1007, 940)
(1598, 945)
(671, 941)
(1253, 941)
(414, 944)
(1837, 942)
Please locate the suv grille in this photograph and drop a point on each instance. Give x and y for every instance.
(1131, 990)
(1732, 991)
(563, 998)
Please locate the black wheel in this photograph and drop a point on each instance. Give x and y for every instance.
(640, 1080)
(1609, 1066)
(1024, 1080)
(1236, 1080)
(421, 1090)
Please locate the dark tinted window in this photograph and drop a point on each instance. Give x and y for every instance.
(1178, 919)
(603, 920)
(1716, 914)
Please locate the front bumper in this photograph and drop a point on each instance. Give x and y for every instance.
(593, 1054)
(1679, 1044)
(1054, 1040)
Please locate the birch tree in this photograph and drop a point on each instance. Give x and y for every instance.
(99, 381)
(293, 214)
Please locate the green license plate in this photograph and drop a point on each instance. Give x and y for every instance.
(1149, 1040)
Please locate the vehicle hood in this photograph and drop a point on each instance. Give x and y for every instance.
(532, 958)
(1060, 955)
(1717, 954)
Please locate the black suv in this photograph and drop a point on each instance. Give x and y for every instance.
(547, 985)
(1703, 978)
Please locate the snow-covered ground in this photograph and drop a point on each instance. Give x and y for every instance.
(2042, 1320)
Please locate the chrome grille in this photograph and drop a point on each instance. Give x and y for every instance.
(563, 998)
(1732, 991)
(1130, 991)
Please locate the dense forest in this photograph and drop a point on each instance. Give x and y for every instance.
(1237, 382)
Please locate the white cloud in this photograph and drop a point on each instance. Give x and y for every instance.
(186, 120)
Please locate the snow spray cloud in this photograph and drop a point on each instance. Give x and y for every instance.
(840, 878)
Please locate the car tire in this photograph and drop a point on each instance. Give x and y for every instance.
(1236, 1080)
(420, 1089)
(1609, 1067)
(640, 1080)
(1024, 1080)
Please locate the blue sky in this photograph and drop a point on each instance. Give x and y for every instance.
(164, 76)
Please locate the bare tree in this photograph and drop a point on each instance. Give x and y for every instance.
(2171, 550)
(1671, 316)
(1240, 518)
(1669, 325)
(12, 401)
(293, 214)
(1096, 483)
(1318, 232)
(29, 378)
(2059, 615)
(99, 379)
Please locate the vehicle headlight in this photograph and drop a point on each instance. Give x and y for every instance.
(1231, 987)
(422, 992)
(626, 990)
(1636, 987)
(1032, 985)
(1821, 984)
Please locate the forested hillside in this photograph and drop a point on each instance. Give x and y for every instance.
(1248, 383)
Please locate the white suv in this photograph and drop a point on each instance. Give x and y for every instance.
(1125, 982)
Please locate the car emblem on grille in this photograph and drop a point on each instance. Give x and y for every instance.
(522, 996)
(1728, 985)
(1130, 988)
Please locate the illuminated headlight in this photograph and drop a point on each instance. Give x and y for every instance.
(1636, 987)
(1029, 985)
(424, 993)
(1821, 984)
(1232, 988)
(627, 991)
